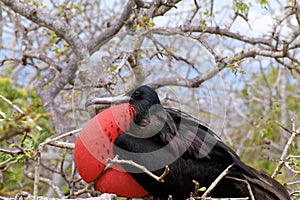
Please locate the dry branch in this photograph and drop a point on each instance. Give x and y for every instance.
(59, 26)
(283, 50)
(284, 156)
(27, 196)
(38, 162)
(248, 186)
(216, 181)
(160, 178)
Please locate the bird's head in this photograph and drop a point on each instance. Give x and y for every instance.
(96, 141)
(142, 99)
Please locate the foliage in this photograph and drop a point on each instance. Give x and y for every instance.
(232, 64)
(19, 134)
(266, 111)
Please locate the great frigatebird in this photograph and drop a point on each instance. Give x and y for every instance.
(159, 136)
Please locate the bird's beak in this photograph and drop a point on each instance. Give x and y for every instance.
(108, 100)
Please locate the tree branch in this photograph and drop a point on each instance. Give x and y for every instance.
(183, 30)
(221, 64)
(216, 181)
(284, 157)
(138, 166)
(59, 26)
(38, 155)
(27, 196)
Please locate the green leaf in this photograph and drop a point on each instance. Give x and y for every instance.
(242, 8)
(28, 143)
(263, 3)
(39, 137)
(10, 185)
(10, 175)
(77, 7)
(207, 13)
(63, 154)
(65, 189)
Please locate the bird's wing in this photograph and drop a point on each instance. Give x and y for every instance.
(201, 142)
(195, 138)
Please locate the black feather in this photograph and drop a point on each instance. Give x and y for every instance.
(164, 136)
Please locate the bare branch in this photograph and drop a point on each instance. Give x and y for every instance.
(138, 166)
(27, 196)
(59, 26)
(48, 182)
(284, 156)
(216, 181)
(248, 186)
(38, 162)
(183, 30)
(289, 165)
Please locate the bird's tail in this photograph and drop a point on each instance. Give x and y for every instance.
(265, 187)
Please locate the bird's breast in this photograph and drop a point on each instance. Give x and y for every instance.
(94, 146)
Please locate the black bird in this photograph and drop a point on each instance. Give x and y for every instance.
(161, 136)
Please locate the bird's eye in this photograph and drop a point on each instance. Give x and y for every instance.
(136, 93)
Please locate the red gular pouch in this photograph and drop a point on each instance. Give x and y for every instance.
(95, 144)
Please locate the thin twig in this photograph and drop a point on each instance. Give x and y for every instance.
(65, 145)
(26, 196)
(293, 183)
(197, 186)
(288, 164)
(209, 198)
(216, 181)
(11, 152)
(82, 191)
(196, 197)
(141, 167)
(283, 157)
(110, 164)
(60, 136)
(49, 182)
(19, 110)
(38, 155)
(248, 186)
(36, 176)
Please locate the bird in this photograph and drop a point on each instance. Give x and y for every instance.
(94, 145)
(155, 137)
